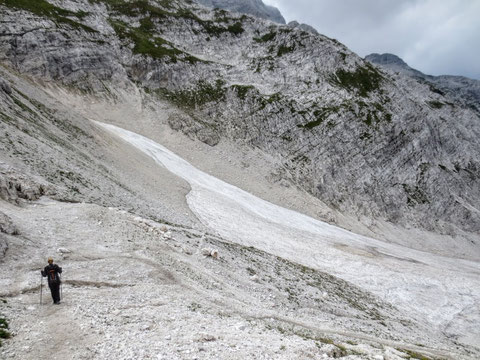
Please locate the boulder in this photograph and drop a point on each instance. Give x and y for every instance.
(210, 253)
(6, 225)
(5, 86)
(15, 186)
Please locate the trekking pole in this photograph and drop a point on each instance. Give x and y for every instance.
(61, 287)
(41, 288)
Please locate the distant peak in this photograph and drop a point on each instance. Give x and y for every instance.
(305, 27)
(385, 59)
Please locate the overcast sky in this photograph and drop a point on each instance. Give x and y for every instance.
(434, 36)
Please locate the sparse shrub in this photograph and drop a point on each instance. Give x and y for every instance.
(415, 355)
(4, 333)
(194, 306)
(283, 49)
(415, 195)
(267, 37)
(242, 90)
(205, 92)
(436, 104)
(320, 116)
(236, 28)
(146, 44)
(363, 79)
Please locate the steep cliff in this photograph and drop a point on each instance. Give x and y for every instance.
(369, 143)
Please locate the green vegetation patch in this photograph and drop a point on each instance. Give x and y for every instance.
(284, 49)
(415, 355)
(365, 136)
(221, 15)
(236, 28)
(276, 97)
(213, 29)
(264, 100)
(436, 104)
(242, 90)
(202, 94)
(137, 7)
(436, 90)
(371, 114)
(4, 333)
(320, 116)
(141, 8)
(146, 44)
(363, 79)
(267, 37)
(54, 13)
(194, 306)
(415, 195)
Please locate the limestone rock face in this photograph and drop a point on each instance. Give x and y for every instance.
(7, 226)
(15, 186)
(461, 90)
(371, 143)
(253, 7)
(3, 246)
(387, 59)
(5, 86)
(35, 45)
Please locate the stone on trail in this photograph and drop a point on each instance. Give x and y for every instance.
(210, 253)
(7, 226)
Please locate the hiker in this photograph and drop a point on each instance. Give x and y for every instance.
(52, 272)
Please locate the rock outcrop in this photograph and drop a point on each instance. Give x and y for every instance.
(5, 87)
(463, 91)
(253, 7)
(7, 226)
(15, 186)
(305, 27)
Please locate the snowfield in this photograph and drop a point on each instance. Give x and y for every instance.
(439, 291)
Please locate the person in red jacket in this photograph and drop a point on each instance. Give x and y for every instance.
(52, 271)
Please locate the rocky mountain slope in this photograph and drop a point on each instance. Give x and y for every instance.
(131, 278)
(134, 263)
(463, 91)
(133, 253)
(381, 148)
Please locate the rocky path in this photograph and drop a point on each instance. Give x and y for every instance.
(433, 289)
(136, 289)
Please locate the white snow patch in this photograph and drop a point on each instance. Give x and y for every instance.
(439, 289)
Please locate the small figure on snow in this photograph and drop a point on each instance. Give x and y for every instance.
(52, 271)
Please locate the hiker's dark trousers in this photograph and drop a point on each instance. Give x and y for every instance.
(55, 290)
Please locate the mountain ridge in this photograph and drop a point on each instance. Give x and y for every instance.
(253, 7)
(461, 89)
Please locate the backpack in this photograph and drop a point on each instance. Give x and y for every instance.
(53, 277)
